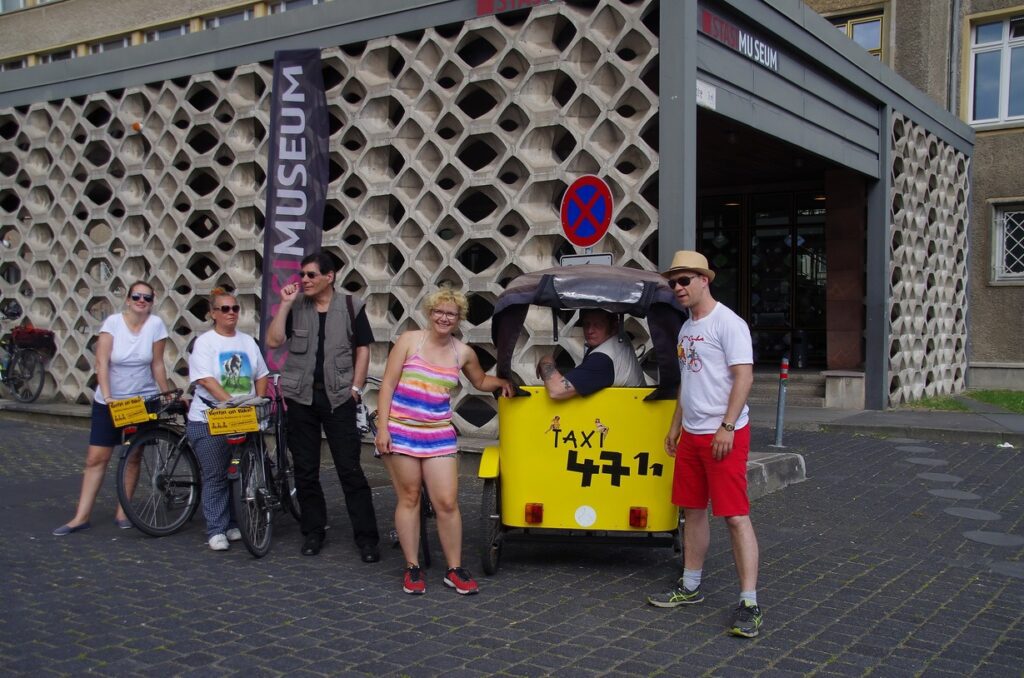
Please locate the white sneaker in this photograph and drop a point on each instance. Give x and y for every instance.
(234, 534)
(219, 542)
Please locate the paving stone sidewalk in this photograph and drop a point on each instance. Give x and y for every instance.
(864, 571)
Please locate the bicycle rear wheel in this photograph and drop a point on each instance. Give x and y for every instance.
(158, 482)
(254, 507)
(25, 376)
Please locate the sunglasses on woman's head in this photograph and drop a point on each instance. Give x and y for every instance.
(148, 298)
(234, 308)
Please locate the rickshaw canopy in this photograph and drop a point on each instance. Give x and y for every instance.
(643, 294)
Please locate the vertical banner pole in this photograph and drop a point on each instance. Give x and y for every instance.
(296, 179)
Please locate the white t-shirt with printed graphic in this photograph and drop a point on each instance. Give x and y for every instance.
(131, 357)
(706, 349)
(235, 362)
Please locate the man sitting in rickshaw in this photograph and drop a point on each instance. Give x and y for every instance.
(609, 360)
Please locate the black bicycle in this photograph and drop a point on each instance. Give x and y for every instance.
(261, 474)
(158, 477)
(25, 351)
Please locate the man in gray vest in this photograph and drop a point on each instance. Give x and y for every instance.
(328, 339)
(608, 361)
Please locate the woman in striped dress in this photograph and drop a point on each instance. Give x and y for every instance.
(418, 444)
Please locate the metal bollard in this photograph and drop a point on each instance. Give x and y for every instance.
(779, 414)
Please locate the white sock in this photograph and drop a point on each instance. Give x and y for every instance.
(691, 579)
(748, 597)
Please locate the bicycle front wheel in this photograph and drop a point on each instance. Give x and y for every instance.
(158, 482)
(252, 500)
(25, 376)
(284, 472)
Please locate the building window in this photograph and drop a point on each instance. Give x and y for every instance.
(863, 29)
(166, 32)
(1008, 243)
(59, 55)
(12, 65)
(225, 19)
(285, 5)
(997, 71)
(11, 5)
(109, 45)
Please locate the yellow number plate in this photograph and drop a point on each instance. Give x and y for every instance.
(232, 420)
(129, 411)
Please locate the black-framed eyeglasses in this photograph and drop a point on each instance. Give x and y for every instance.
(137, 296)
(310, 274)
(681, 281)
(234, 308)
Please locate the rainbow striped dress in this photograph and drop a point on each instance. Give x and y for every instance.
(420, 421)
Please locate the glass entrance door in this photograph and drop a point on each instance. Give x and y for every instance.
(768, 252)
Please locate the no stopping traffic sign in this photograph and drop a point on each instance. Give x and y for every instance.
(586, 210)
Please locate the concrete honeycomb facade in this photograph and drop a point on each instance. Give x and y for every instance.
(449, 151)
(928, 264)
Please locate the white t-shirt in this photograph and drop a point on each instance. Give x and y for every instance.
(131, 357)
(706, 349)
(235, 362)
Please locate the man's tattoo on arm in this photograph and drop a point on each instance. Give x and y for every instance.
(546, 370)
(566, 386)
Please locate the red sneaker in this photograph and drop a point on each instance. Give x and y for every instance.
(461, 580)
(414, 582)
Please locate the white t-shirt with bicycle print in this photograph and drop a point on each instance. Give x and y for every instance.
(235, 362)
(706, 348)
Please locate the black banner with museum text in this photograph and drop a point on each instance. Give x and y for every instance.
(296, 179)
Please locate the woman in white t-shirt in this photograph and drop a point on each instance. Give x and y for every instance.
(129, 362)
(224, 364)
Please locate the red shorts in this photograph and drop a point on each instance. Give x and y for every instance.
(698, 477)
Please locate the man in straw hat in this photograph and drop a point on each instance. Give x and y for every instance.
(710, 438)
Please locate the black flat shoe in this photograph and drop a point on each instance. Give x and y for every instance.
(312, 545)
(369, 553)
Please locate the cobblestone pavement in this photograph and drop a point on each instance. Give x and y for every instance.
(864, 571)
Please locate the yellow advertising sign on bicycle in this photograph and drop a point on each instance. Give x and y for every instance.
(232, 420)
(129, 411)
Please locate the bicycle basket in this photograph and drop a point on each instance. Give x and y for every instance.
(165, 404)
(35, 338)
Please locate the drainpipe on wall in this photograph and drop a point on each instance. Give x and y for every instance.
(953, 63)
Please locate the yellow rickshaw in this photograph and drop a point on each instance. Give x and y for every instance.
(590, 467)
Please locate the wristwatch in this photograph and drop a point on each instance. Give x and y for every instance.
(358, 391)
(728, 427)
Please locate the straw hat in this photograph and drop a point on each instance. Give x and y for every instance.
(687, 260)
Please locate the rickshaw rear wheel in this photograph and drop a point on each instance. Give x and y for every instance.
(491, 533)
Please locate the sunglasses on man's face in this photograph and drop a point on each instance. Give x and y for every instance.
(228, 309)
(148, 298)
(310, 274)
(681, 281)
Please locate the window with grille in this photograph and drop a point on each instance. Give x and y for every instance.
(1008, 243)
(997, 71)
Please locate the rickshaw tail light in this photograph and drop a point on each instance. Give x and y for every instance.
(638, 516)
(236, 439)
(534, 514)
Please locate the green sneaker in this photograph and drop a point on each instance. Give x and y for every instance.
(680, 595)
(746, 620)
